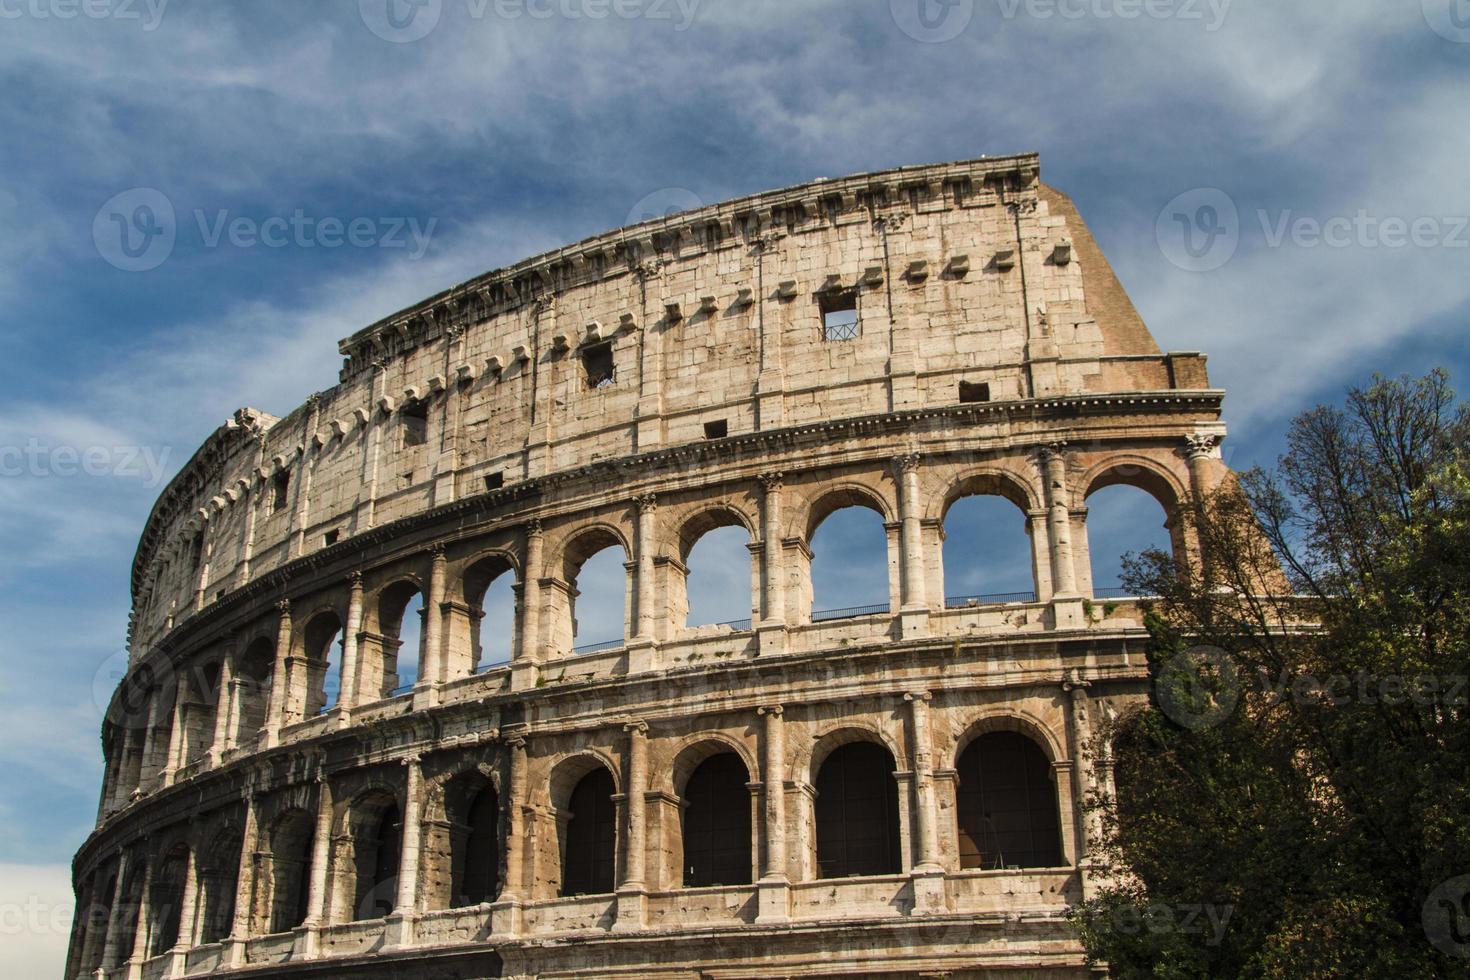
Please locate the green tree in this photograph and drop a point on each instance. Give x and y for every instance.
(1303, 767)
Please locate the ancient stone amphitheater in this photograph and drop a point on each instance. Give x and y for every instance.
(889, 791)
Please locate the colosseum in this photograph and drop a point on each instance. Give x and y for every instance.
(815, 791)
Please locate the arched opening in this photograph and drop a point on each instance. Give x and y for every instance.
(987, 552)
(400, 625)
(716, 819)
(589, 857)
(857, 812)
(1122, 519)
(323, 684)
(99, 914)
(200, 704)
(476, 851)
(597, 605)
(1007, 804)
(376, 827)
(718, 579)
(219, 876)
(166, 900)
(129, 916)
(490, 595)
(289, 846)
(850, 573)
(253, 689)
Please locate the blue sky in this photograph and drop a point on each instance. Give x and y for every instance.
(511, 127)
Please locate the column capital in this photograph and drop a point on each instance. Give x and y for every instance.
(771, 482)
(1047, 452)
(283, 607)
(409, 761)
(908, 463)
(918, 696)
(534, 528)
(438, 552)
(775, 710)
(636, 727)
(646, 503)
(1075, 683)
(1202, 445)
(354, 579)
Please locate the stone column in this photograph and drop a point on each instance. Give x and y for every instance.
(775, 884)
(1202, 450)
(914, 613)
(351, 685)
(929, 892)
(121, 791)
(280, 680)
(112, 941)
(316, 896)
(431, 659)
(399, 928)
(139, 951)
(633, 892)
(1081, 780)
(505, 916)
(188, 927)
(173, 759)
(223, 702)
(525, 665)
(234, 957)
(1066, 601)
(647, 548)
(772, 628)
(1036, 530)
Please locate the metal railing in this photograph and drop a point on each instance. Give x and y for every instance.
(828, 615)
(993, 599)
(600, 647)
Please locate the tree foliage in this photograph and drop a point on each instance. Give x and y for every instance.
(1303, 768)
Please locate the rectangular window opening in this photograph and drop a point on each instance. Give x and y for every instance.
(280, 491)
(974, 392)
(416, 424)
(716, 430)
(597, 361)
(840, 315)
(494, 482)
(332, 537)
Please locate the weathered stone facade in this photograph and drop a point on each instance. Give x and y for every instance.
(636, 391)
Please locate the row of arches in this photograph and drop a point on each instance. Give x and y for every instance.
(717, 564)
(1008, 814)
